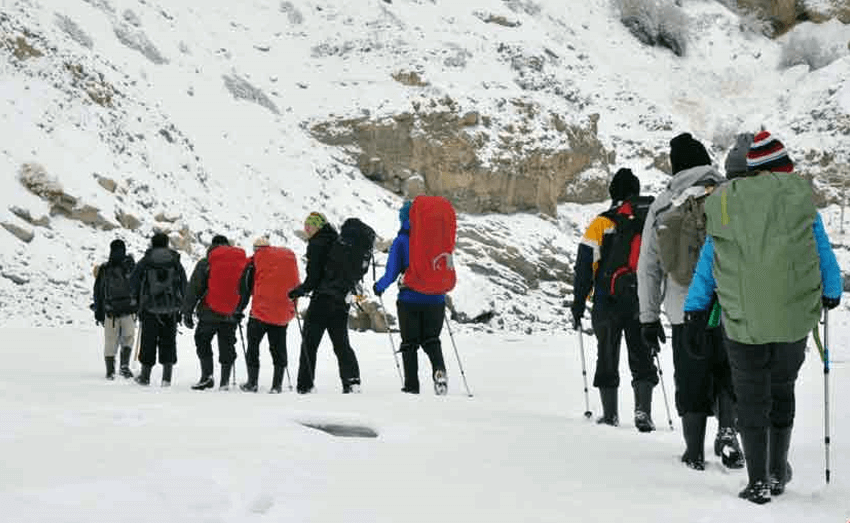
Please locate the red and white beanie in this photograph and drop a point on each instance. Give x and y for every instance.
(768, 154)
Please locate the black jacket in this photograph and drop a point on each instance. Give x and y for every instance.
(317, 256)
(124, 261)
(147, 262)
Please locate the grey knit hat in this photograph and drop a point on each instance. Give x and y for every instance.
(736, 160)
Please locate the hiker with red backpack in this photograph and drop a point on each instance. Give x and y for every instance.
(605, 264)
(213, 293)
(159, 282)
(672, 237)
(335, 265)
(422, 251)
(115, 307)
(267, 279)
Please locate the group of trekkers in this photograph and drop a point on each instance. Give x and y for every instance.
(222, 284)
(743, 267)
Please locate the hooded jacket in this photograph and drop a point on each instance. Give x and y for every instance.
(654, 286)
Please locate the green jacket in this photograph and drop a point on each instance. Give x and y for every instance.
(765, 257)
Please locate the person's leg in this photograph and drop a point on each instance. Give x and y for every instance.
(607, 378)
(315, 323)
(147, 348)
(784, 368)
(349, 369)
(226, 335)
(644, 374)
(277, 347)
(111, 328)
(433, 317)
(726, 442)
(168, 347)
(204, 332)
(410, 328)
(127, 326)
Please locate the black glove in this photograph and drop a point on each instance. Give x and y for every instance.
(188, 321)
(578, 311)
(653, 335)
(99, 318)
(830, 303)
(238, 315)
(696, 324)
(376, 291)
(295, 293)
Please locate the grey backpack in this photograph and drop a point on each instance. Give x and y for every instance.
(681, 233)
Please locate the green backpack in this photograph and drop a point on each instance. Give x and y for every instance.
(681, 234)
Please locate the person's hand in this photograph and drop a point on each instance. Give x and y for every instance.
(376, 290)
(238, 315)
(578, 311)
(696, 323)
(653, 335)
(296, 293)
(830, 303)
(188, 321)
(99, 318)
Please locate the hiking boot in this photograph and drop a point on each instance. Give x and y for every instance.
(757, 491)
(410, 390)
(224, 378)
(780, 472)
(309, 390)
(693, 428)
(727, 448)
(351, 388)
(125, 362)
(110, 367)
(275, 390)
(643, 422)
(441, 382)
(144, 377)
(608, 395)
(206, 382)
(277, 377)
(166, 374)
(251, 384)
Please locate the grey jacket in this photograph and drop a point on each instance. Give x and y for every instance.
(653, 283)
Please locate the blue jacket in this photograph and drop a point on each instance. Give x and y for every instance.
(703, 285)
(397, 262)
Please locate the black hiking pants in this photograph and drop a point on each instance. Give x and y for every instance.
(225, 331)
(159, 331)
(609, 324)
(700, 374)
(420, 326)
(764, 377)
(277, 342)
(326, 313)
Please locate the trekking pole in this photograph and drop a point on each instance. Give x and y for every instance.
(390, 334)
(663, 389)
(138, 337)
(244, 353)
(460, 366)
(587, 413)
(826, 390)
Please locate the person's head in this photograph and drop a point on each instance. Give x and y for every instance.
(314, 222)
(404, 211)
(624, 185)
(261, 242)
(159, 239)
(768, 154)
(117, 249)
(219, 239)
(736, 160)
(686, 153)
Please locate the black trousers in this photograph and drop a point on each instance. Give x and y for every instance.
(609, 324)
(326, 313)
(225, 332)
(277, 342)
(764, 378)
(420, 326)
(158, 332)
(701, 374)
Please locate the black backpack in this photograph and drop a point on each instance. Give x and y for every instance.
(162, 292)
(118, 299)
(348, 258)
(617, 272)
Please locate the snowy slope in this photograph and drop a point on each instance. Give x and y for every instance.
(205, 110)
(77, 448)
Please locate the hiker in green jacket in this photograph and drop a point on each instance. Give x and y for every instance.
(768, 258)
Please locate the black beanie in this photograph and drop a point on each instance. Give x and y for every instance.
(159, 239)
(118, 247)
(685, 152)
(219, 239)
(623, 185)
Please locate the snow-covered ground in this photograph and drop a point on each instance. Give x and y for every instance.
(77, 448)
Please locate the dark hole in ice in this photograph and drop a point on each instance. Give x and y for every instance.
(343, 431)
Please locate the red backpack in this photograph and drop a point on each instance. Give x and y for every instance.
(226, 266)
(432, 240)
(275, 274)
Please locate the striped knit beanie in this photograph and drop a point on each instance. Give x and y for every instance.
(315, 219)
(768, 154)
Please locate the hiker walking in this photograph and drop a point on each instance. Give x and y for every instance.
(673, 234)
(115, 307)
(421, 300)
(159, 281)
(267, 279)
(213, 294)
(769, 261)
(606, 264)
(331, 272)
